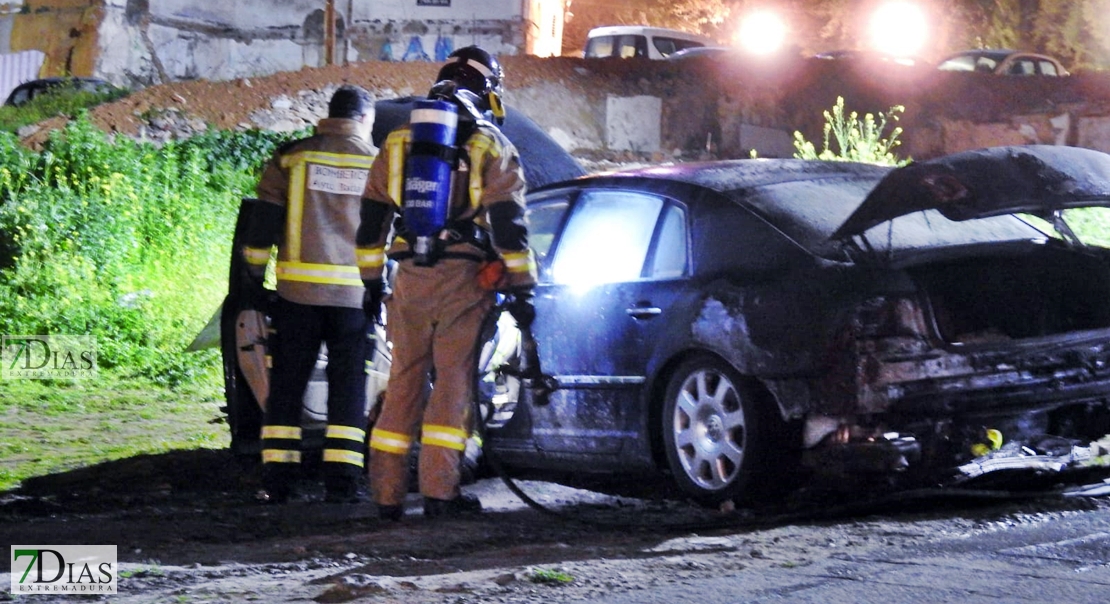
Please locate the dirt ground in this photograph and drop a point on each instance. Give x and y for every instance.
(228, 104)
(188, 529)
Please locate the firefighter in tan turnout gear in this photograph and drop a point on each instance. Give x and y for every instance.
(310, 197)
(451, 187)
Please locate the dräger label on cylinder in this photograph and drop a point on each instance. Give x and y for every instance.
(343, 181)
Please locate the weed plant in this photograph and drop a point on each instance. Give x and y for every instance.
(123, 240)
(860, 139)
(61, 101)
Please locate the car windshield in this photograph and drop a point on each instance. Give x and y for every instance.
(810, 211)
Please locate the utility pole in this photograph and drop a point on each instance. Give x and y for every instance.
(329, 32)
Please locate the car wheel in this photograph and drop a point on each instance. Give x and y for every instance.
(711, 431)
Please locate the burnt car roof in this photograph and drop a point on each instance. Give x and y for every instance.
(819, 204)
(730, 176)
(1035, 179)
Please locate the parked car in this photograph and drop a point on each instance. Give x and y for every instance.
(627, 41)
(720, 324)
(1003, 62)
(25, 92)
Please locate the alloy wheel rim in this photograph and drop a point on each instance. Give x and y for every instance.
(709, 429)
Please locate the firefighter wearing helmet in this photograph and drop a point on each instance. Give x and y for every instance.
(450, 188)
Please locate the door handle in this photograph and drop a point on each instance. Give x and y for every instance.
(643, 311)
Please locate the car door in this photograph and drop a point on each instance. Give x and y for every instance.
(605, 287)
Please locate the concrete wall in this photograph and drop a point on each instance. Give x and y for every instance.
(143, 42)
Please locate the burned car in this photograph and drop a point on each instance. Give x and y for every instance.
(721, 323)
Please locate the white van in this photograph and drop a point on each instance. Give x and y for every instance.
(626, 41)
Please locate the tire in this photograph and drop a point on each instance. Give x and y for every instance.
(712, 432)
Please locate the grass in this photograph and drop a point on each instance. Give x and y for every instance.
(48, 427)
(63, 101)
(547, 576)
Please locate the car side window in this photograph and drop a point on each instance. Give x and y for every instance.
(606, 238)
(669, 258)
(599, 47)
(1048, 68)
(544, 219)
(1023, 67)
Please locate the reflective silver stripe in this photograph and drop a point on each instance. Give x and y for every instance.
(256, 255)
(390, 442)
(443, 436)
(435, 116)
(286, 432)
(482, 69)
(329, 274)
(370, 258)
(346, 433)
(343, 456)
(280, 456)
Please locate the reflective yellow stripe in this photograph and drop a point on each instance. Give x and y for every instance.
(338, 160)
(478, 147)
(256, 255)
(395, 145)
(390, 442)
(288, 432)
(343, 456)
(372, 257)
(346, 432)
(443, 436)
(294, 214)
(296, 163)
(518, 262)
(331, 274)
(280, 456)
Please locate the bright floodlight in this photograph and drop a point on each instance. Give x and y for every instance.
(762, 32)
(899, 29)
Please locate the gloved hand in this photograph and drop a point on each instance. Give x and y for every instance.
(258, 297)
(372, 300)
(519, 305)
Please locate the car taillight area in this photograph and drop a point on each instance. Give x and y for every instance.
(1010, 346)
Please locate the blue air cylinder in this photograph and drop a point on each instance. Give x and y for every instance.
(428, 170)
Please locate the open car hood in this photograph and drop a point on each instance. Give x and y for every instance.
(1035, 179)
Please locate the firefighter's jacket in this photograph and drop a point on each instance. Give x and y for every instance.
(487, 193)
(311, 197)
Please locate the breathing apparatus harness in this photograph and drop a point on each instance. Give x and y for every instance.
(439, 126)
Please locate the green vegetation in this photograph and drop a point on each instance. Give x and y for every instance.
(549, 576)
(62, 101)
(857, 139)
(48, 427)
(128, 242)
(122, 240)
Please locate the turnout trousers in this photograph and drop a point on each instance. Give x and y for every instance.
(299, 331)
(434, 318)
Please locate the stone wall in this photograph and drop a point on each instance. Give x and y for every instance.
(729, 109)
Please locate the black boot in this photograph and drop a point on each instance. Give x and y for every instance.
(451, 508)
(345, 484)
(278, 482)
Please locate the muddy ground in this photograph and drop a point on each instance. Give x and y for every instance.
(189, 529)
